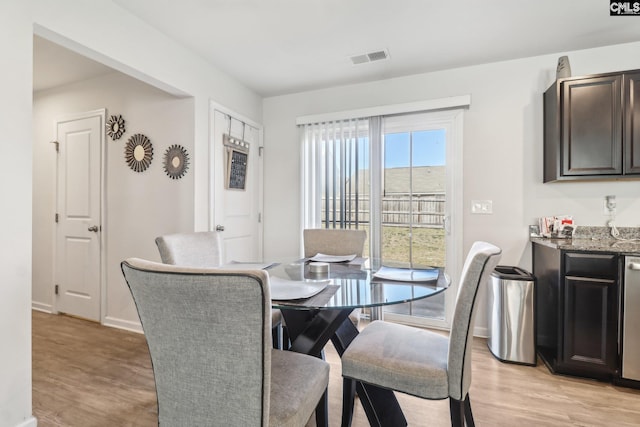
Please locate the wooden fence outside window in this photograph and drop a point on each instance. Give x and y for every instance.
(398, 210)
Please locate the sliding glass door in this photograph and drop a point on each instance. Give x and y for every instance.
(398, 178)
(413, 204)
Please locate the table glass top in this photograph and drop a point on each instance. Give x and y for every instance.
(350, 285)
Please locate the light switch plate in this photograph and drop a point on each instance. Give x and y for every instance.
(482, 207)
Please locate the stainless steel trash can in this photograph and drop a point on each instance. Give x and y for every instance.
(512, 315)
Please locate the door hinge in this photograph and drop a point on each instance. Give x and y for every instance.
(56, 218)
(260, 149)
(57, 145)
(259, 217)
(57, 289)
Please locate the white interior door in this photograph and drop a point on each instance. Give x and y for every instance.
(78, 258)
(237, 212)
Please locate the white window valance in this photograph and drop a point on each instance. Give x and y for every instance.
(462, 101)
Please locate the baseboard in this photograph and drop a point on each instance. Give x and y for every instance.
(29, 422)
(127, 325)
(112, 322)
(46, 308)
(482, 332)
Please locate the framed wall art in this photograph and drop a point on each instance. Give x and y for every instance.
(237, 160)
(176, 161)
(115, 127)
(138, 152)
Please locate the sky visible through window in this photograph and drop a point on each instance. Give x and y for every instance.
(428, 149)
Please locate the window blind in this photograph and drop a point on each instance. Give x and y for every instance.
(336, 173)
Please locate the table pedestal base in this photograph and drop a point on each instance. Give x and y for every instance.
(310, 330)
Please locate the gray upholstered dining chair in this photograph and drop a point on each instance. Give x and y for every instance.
(197, 249)
(203, 249)
(419, 362)
(209, 337)
(334, 241)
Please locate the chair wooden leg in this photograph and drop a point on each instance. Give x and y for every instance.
(457, 412)
(468, 415)
(322, 411)
(286, 342)
(348, 397)
(461, 414)
(280, 337)
(276, 336)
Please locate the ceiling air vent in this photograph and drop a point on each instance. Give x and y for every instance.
(378, 55)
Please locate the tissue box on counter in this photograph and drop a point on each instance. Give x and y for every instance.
(559, 226)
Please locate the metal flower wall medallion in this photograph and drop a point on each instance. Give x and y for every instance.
(138, 152)
(176, 161)
(115, 127)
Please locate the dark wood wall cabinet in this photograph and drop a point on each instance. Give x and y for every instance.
(577, 304)
(592, 127)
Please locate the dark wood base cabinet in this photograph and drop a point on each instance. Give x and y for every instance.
(577, 298)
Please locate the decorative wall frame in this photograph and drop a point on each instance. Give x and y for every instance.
(138, 152)
(176, 161)
(237, 159)
(115, 127)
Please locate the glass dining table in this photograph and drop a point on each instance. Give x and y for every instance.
(324, 316)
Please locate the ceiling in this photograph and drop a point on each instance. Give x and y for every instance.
(277, 47)
(55, 66)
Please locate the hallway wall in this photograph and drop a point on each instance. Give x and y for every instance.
(139, 206)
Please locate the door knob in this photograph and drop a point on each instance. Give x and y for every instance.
(219, 227)
(93, 228)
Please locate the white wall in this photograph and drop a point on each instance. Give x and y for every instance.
(139, 206)
(502, 149)
(15, 215)
(102, 31)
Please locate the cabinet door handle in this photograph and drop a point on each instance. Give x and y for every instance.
(634, 266)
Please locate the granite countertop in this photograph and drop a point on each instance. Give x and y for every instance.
(596, 239)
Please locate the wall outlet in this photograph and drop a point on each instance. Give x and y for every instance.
(609, 207)
(482, 206)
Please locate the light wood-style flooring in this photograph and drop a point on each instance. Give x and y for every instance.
(88, 375)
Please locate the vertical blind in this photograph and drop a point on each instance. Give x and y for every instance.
(336, 157)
